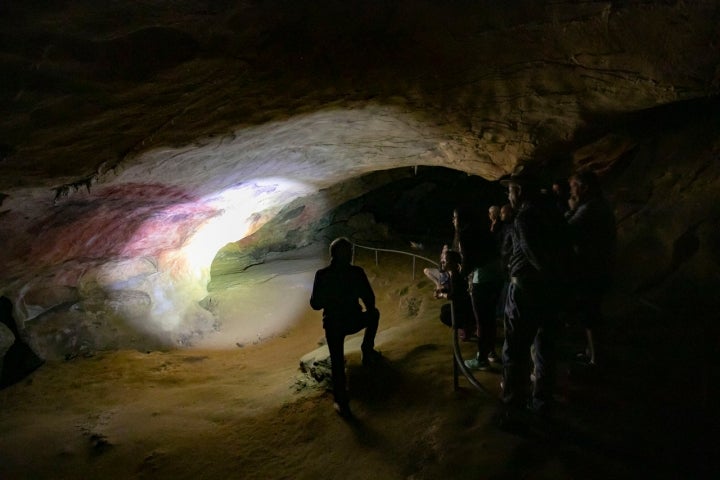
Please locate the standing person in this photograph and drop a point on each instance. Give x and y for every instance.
(485, 287)
(536, 268)
(504, 240)
(494, 217)
(337, 290)
(467, 241)
(591, 226)
(485, 283)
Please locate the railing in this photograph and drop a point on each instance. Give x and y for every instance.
(376, 250)
(458, 361)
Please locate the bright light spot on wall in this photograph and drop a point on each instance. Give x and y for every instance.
(183, 274)
(240, 209)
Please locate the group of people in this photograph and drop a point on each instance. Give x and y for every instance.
(543, 253)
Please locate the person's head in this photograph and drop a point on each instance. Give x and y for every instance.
(453, 259)
(506, 213)
(584, 184)
(560, 188)
(520, 187)
(494, 213)
(341, 251)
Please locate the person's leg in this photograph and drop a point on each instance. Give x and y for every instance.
(488, 326)
(544, 343)
(479, 362)
(516, 349)
(335, 341)
(499, 318)
(371, 320)
(465, 320)
(484, 302)
(545, 365)
(591, 317)
(433, 274)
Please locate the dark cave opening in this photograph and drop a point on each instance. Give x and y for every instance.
(419, 208)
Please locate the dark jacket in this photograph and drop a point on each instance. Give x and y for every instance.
(540, 245)
(592, 234)
(337, 289)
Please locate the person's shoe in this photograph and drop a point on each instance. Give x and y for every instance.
(371, 357)
(342, 409)
(476, 364)
(493, 357)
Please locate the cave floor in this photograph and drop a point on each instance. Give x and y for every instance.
(248, 412)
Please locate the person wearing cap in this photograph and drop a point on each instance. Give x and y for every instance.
(337, 290)
(537, 266)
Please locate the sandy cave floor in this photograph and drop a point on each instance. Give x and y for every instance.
(248, 412)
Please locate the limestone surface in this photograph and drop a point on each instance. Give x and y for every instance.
(137, 139)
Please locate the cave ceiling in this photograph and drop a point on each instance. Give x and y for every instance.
(126, 126)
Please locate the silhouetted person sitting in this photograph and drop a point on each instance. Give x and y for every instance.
(337, 290)
(20, 360)
(456, 290)
(439, 276)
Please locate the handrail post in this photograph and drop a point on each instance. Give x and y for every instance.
(414, 267)
(456, 373)
(376, 258)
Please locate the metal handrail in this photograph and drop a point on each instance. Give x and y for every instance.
(458, 361)
(414, 255)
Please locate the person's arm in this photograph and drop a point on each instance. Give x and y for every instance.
(579, 223)
(316, 297)
(366, 293)
(526, 236)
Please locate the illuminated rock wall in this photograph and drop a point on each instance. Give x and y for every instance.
(138, 138)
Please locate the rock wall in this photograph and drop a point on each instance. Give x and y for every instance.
(138, 138)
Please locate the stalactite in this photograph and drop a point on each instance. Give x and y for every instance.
(64, 191)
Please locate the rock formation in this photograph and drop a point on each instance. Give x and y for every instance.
(138, 138)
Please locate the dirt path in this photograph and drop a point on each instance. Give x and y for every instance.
(241, 413)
